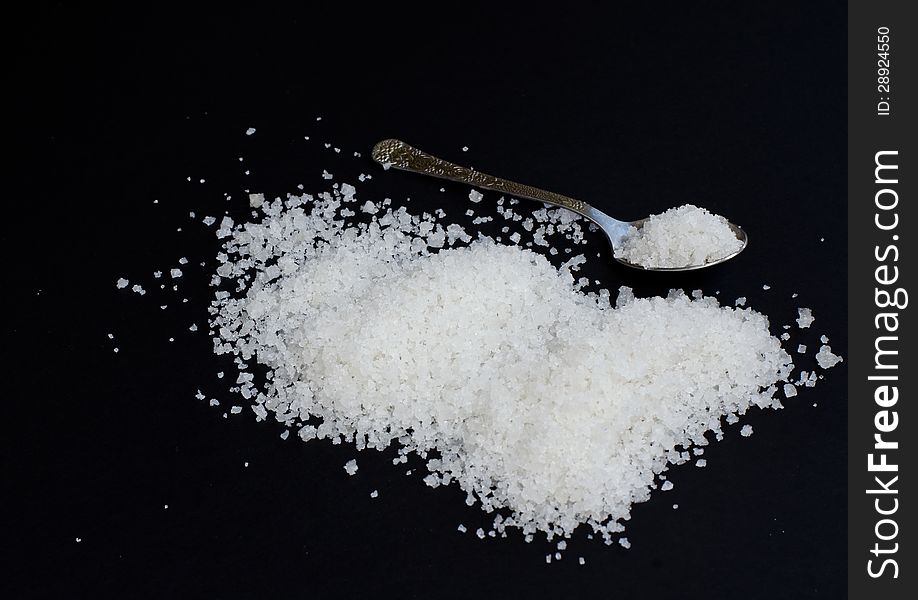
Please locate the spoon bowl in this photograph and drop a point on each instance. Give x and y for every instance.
(398, 154)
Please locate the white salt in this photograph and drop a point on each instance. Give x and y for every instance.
(746, 431)
(679, 237)
(349, 323)
(374, 494)
(789, 390)
(122, 283)
(801, 349)
(250, 131)
(350, 466)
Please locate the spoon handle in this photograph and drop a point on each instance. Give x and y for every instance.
(400, 155)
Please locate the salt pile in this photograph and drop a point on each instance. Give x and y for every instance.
(484, 359)
(679, 237)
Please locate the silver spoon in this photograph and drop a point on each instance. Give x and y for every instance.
(398, 154)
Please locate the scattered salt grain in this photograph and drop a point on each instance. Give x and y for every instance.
(624, 542)
(374, 494)
(175, 273)
(137, 289)
(667, 485)
(789, 390)
(480, 533)
(805, 318)
(801, 349)
(766, 287)
(746, 431)
(475, 196)
(122, 283)
(256, 200)
(350, 466)
(581, 561)
(701, 462)
(285, 434)
(208, 221)
(741, 301)
(825, 359)
(250, 131)
(461, 528)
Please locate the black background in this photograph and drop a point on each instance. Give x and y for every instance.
(737, 108)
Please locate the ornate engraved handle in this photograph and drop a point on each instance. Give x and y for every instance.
(400, 155)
